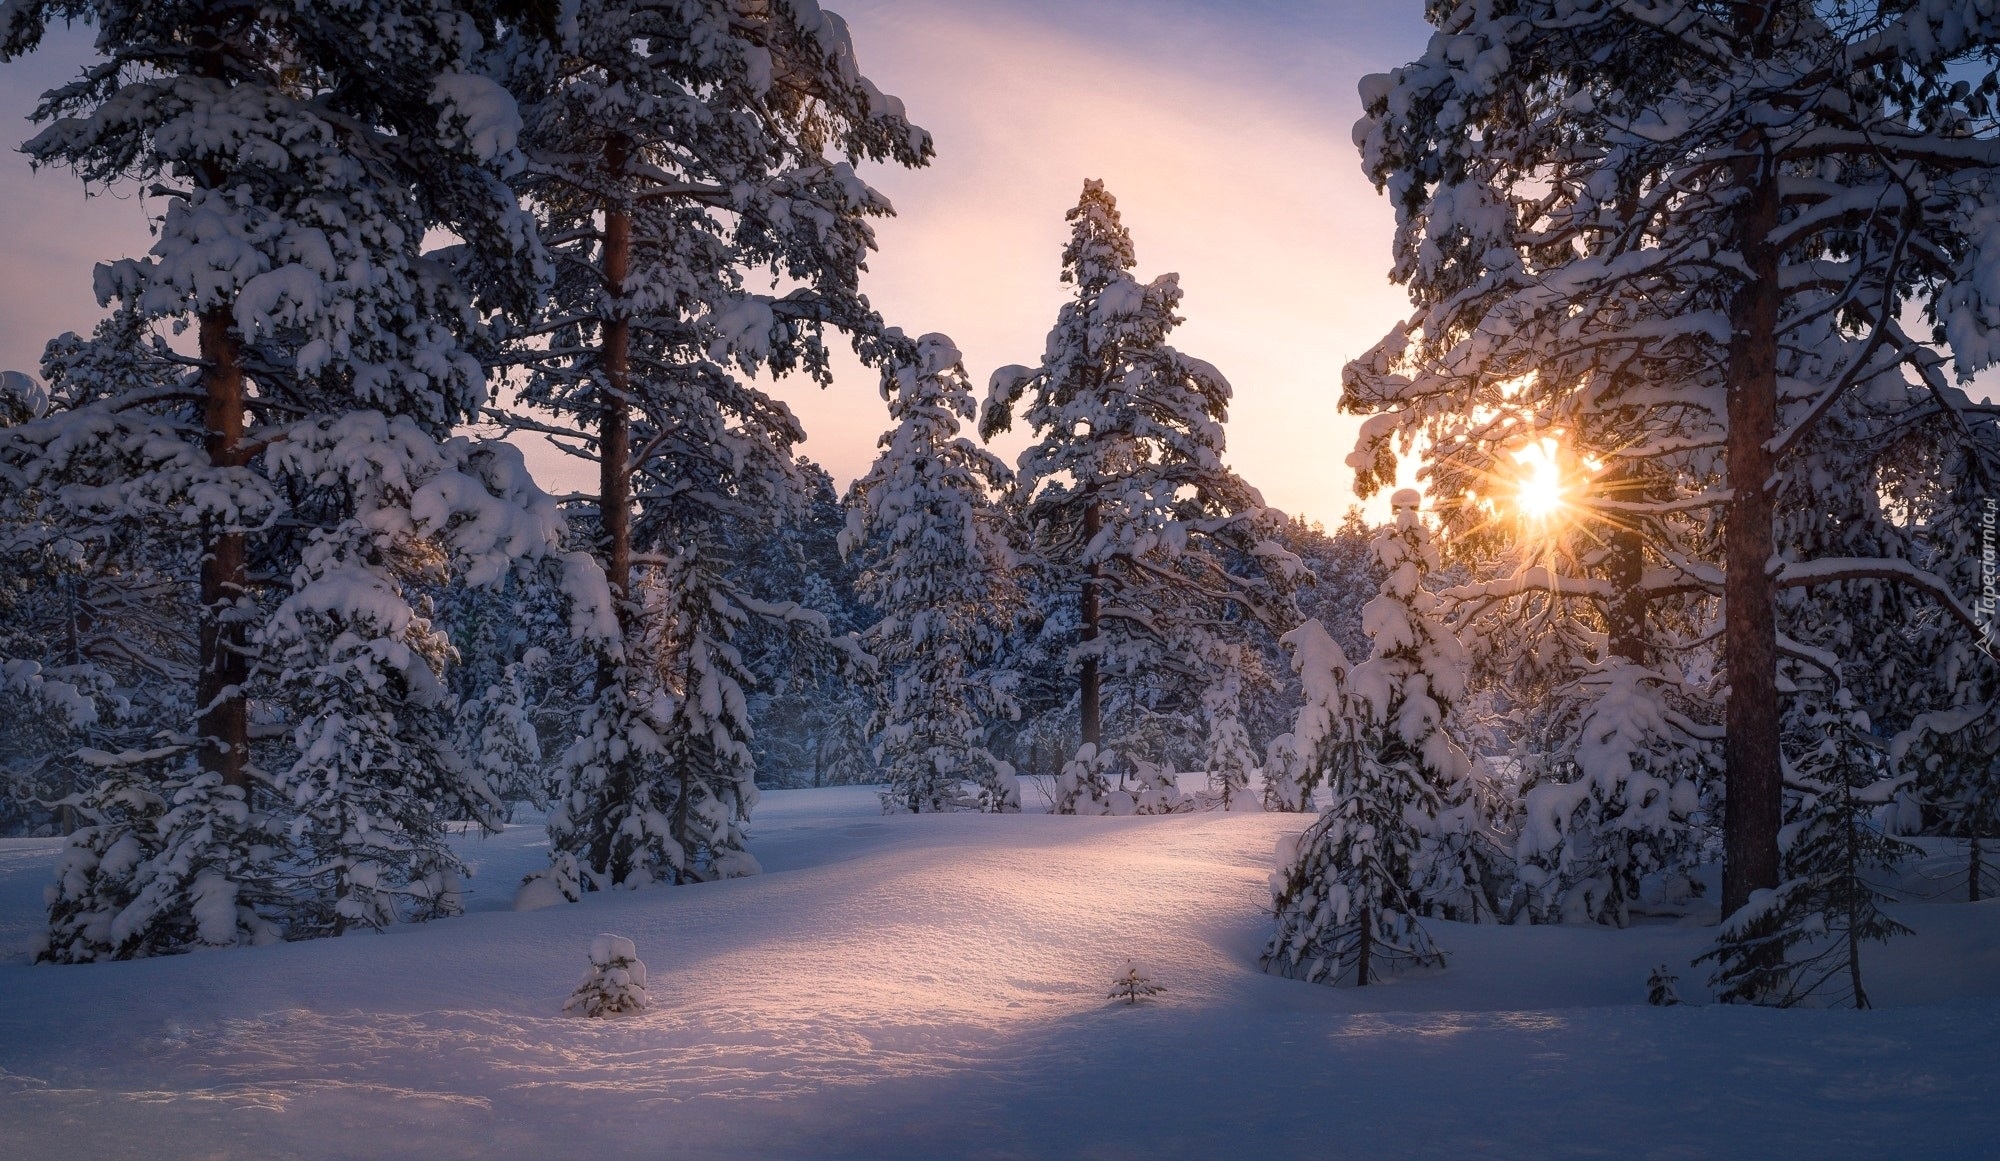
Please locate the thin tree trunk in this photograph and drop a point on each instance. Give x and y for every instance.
(614, 423)
(1092, 724)
(684, 792)
(223, 723)
(1974, 871)
(1625, 569)
(1754, 786)
(1853, 871)
(1367, 949)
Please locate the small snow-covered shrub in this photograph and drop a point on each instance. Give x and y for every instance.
(559, 882)
(615, 983)
(1155, 790)
(1085, 784)
(1660, 991)
(1133, 984)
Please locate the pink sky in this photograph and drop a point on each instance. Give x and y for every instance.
(1221, 127)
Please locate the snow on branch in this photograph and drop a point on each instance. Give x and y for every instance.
(1806, 573)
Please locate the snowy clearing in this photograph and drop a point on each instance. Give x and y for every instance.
(935, 986)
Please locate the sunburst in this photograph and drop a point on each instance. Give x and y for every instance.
(1541, 489)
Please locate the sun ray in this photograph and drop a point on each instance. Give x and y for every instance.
(1540, 487)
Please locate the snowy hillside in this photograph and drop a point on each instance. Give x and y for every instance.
(934, 986)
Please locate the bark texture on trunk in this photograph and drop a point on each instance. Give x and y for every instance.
(1091, 721)
(614, 421)
(1753, 782)
(223, 723)
(1625, 569)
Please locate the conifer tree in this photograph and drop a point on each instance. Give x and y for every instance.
(1322, 736)
(1085, 783)
(924, 526)
(615, 984)
(1347, 894)
(1125, 490)
(811, 711)
(1802, 941)
(305, 156)
(1587, 842)
(674, 151)
(1699, 234)
(1230, 758)
(1953, 759)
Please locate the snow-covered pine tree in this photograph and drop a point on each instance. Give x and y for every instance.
(615, 984)
(1802, 942)
(513, 673)
(1230, 758)
(496, 733)
(163, 856)
(706, 735)
(287, 184)
(299, 200)
(1322, 737)
(1040, 647)
(1348, 892)
(811, 712)
(374, 777)
(1587, 842)
(169, 859)
(1660, 990)
(925, 527)
(1133, 985)
(1085, 783)
(1697, 234)
(95, 647)
(1340, 576)
(674, 150)
(1953, 758)
(1125, 490)
(377, 775)
(1903, 506)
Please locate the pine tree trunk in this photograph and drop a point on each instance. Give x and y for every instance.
(1366, 950)
(1625, 616)
(684, 793)
(1974, 871)
(223, 723)
(1854, 898)
(614, 430)
(1091, 725)
(1754, 787)
(1625, 567)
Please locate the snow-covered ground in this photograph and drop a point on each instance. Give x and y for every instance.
(934, 987)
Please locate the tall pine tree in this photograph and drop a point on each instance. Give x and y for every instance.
(675, 151)
(1125, 491)
(305, 158)
(1699, 234)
